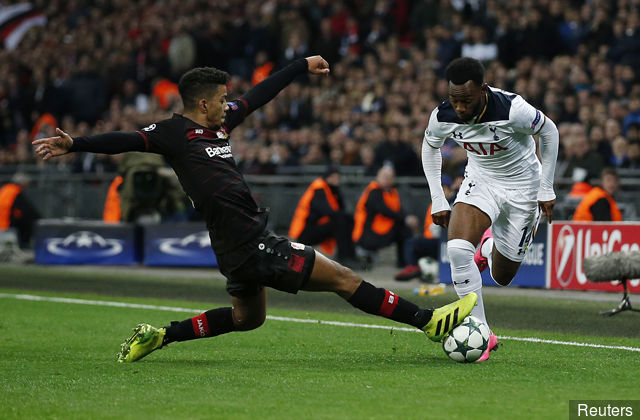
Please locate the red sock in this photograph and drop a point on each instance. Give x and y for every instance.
(382, 302)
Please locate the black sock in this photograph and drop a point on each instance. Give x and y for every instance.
(208, 324)
(379, 301)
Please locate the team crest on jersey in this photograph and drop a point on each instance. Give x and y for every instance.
(493, 129)
(204, 133)
(298, 246)
(222, 133)
(233, 106)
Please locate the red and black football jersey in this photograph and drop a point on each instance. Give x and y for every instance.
(204, 164)
(203, 161)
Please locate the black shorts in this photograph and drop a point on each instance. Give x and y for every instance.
(268, 260)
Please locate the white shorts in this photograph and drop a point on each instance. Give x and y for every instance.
(514, 214)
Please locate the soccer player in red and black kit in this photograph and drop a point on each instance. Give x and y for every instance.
(196, 145)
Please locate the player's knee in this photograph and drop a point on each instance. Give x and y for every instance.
(248, 321)
(460, 252)
(502, 278)
(345, 280)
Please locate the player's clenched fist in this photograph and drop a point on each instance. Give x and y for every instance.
(317, 65)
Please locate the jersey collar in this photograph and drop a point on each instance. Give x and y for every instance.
(477, 118)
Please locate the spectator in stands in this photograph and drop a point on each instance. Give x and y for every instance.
(619, 152)
(16, 210)
(585, 164)
(633, 118)
(320, 217)
(393, 151)
(634, 155)
(89, 91)
(379, 220)
(599, 205)
(575, 60)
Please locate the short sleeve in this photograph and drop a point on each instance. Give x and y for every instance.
(525, 118)
(433, 134)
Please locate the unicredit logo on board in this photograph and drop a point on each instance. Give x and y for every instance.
(575, 243)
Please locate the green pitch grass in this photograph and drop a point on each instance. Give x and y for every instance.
(57, 359)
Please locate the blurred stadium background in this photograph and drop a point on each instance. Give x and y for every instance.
(91, 67)
(102, 65)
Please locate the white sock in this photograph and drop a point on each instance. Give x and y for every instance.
(487, 252)
(478, 310)
(465, 274)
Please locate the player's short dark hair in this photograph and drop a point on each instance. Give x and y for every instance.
(199, 82)
(463, 69)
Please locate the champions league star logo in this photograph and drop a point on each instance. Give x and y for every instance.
(185, 246)
(86, 243)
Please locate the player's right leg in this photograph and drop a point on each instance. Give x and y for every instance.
(329, 276)
(466, 227)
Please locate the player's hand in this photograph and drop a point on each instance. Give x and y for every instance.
(317, 65)
(547, 209)
(53, 146)
(441, 218)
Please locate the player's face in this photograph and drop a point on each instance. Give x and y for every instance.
(217, 107)
(467, 99)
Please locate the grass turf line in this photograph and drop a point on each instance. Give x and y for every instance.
(553, 316)
(394, 327)
(59, 363)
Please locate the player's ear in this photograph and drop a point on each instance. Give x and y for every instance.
(202, 105)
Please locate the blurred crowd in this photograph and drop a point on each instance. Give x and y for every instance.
(107, 65)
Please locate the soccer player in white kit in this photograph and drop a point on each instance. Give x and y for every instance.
(505, 186)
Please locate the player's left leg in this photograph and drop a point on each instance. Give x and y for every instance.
(511, 235)
(247, 313)
(329, 276)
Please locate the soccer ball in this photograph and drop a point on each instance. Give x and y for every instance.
(467, 341)
(428, 269)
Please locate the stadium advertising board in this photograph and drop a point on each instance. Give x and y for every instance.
(59, 242)
(571, 243)
(531, 273)
(184, 244)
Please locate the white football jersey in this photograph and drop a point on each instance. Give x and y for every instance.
(499, 144)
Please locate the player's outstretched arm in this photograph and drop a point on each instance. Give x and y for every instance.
(109, 143)
(266, 90)
(53, 146)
